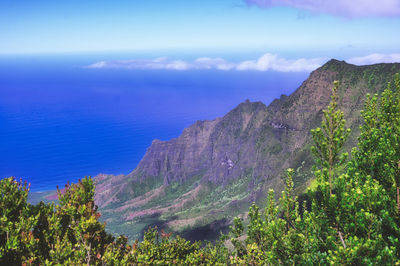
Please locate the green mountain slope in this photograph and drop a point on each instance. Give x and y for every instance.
(195, 184)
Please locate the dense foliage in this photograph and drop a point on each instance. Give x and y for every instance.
(351, 214)
(354, 216)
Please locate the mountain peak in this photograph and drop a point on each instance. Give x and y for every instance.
(334, 65)
(248, 106)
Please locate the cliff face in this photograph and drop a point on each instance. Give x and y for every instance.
(221, 148)
(215, 169)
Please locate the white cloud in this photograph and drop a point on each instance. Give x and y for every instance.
(158, 63)
(273, 62)
(264, 63)
(346, 8)
(209, 63)
(374, 59)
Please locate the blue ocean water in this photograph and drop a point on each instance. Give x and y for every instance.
(60, 121)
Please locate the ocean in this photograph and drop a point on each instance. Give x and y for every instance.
(60, 121)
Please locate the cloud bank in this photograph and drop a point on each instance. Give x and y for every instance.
(344, 8)
(374, 59)
(266, 62)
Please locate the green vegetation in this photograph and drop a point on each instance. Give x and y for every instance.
(351, 215)
(140, 188)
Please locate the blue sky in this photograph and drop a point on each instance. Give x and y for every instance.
(360, 28)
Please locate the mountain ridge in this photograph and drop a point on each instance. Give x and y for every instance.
(216, 168)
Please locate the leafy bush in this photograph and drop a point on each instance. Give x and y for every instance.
(354, 217)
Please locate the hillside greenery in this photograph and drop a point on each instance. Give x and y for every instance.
(349, 216)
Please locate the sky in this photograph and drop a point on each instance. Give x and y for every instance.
(363, 29)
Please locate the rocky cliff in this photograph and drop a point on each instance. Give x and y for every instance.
(215, 169)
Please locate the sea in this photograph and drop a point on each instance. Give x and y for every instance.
(61, 121)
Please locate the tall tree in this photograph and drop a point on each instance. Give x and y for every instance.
(329, 139)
